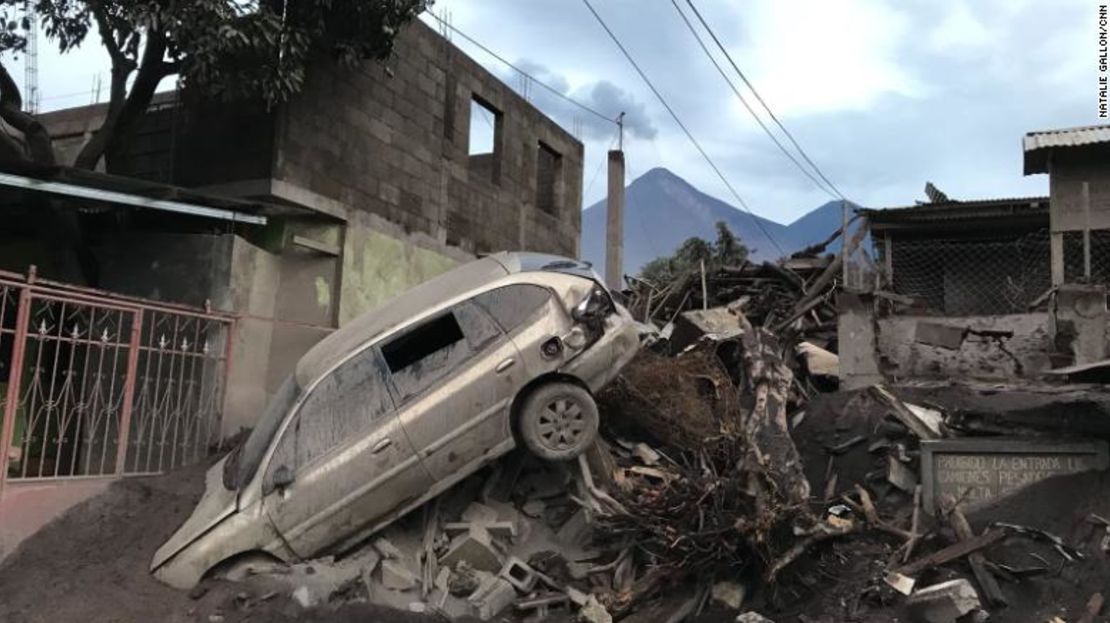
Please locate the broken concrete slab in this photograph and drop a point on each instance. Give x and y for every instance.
(476, 548)
(944, 602)
(492, 598)
(387, 549)
(594, 612)
(397, 577)
(900, 582)
(499, 529)
(940, 335)
(691, 326)
(303, 597)
(576, 529)
(729, 594)
(479, 513)
(899, 475)
(646, 454)
(752, 617)
(534, 508)
(818, 361)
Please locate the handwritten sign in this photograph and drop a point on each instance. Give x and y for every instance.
(976, 471)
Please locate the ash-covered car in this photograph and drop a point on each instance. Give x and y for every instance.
(406, 400)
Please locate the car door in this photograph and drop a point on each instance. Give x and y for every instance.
(350, 462)
(531, 316)
(455, 376)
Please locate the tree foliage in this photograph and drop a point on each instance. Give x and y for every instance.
(223, 49)
(228, 49)
(726, 250)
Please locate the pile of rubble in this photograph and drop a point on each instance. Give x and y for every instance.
(733, 478)
(734, 481)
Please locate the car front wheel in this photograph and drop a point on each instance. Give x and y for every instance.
(558, 421)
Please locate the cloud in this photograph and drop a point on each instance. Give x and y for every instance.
(603, 96)
(606, 96)
(813, 56)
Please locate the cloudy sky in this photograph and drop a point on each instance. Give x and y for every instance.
(882, 95)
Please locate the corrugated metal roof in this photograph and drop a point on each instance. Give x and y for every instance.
(1037, 144)
(1067, 137)
(1010, 207)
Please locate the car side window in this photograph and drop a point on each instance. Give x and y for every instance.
(349, 400)
(514, 305)
(425, 353)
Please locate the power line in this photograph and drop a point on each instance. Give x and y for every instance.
(760, 99)
(681, 125)
(546, 86)
(743, 101)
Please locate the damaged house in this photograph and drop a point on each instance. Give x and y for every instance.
(990, 289)
(227, 240)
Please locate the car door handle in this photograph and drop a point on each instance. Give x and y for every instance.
(504, 365)
(382, 446)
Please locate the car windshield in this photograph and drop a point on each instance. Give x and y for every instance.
(249, 455)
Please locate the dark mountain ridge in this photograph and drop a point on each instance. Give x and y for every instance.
(662, 210)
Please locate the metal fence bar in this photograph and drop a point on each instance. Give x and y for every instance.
(128, 394)
(14, 380)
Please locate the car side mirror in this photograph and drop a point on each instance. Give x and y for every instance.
(595, 303)
(283, 477)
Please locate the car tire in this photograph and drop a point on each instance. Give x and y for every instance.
(558, 421)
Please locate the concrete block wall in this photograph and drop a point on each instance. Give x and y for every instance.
(903, 354)
(392, 139)
(1065, 190)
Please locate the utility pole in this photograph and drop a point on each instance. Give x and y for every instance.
(614, 207)
(844, 244)
(31, 63)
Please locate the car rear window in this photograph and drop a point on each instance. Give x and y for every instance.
(514, 305)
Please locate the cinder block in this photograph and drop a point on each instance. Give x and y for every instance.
(476, 548)
(519, 574)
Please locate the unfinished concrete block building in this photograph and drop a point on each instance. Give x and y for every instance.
(374, 179)
(228, 239)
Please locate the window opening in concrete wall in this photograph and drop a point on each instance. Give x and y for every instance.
(484, 142)
(549, 172)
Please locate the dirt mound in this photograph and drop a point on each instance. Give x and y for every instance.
(91, 565)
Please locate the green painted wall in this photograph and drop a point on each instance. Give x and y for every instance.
(377, 266)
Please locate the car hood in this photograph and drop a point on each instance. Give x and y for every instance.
(217, 504)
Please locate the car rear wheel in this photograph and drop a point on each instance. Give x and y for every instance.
(558, 421)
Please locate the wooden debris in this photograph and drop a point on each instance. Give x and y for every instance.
(953, 552)
(987, 583)
(922, 428)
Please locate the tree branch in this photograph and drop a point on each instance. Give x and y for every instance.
(11, 110)
(125, 108)
(107, 37)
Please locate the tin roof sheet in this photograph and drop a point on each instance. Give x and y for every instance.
(1008, 207)
(1037, 144)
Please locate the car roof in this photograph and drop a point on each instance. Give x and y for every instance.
(402, 308)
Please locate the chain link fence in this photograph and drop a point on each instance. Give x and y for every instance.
(1075, 263)
(983, 275)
